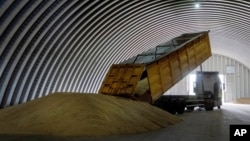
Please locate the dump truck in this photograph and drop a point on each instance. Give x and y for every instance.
(147, 76)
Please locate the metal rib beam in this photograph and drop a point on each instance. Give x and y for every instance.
(60, 45)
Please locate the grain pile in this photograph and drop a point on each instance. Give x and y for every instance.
(242, 101)
(65, 114)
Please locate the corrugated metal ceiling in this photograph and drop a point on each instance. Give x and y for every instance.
(48, 46)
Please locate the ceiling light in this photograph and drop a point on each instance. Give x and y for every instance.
(197, 5)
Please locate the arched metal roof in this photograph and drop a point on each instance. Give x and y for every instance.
(59, 45)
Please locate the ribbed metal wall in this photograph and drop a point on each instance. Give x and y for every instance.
(59, 45)
(236, 84)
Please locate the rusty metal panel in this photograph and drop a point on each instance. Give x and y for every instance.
(122, 79)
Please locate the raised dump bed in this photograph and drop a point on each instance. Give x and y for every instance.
(150, 74)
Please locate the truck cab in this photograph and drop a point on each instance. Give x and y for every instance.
(208, 88)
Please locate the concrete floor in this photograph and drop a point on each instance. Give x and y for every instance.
(197, 125)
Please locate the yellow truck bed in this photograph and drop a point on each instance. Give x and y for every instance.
(149, 75)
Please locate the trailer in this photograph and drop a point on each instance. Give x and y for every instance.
(147, 76)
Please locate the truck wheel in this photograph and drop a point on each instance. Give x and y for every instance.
(172, 111)
(190, 108)
(209, 108)
(173, 107)
(181, 110)
(209, 104)
(181, 104)
(218, 106)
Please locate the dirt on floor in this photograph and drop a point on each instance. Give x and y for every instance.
(242, 101)
(75, 114)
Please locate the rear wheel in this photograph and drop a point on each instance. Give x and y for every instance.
(181, 104)
(190, 108)
(181, 109)
(209, 104)
(218, 107)
(173, 107)
(209, 108)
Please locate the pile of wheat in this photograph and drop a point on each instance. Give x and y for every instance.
(242, 101)
(75, 114)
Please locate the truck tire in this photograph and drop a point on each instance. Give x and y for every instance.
(181, 104)
(218, 106)
(209, 104)
(190, 108)
(181, 110)
(209, 107)
(173, 108)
